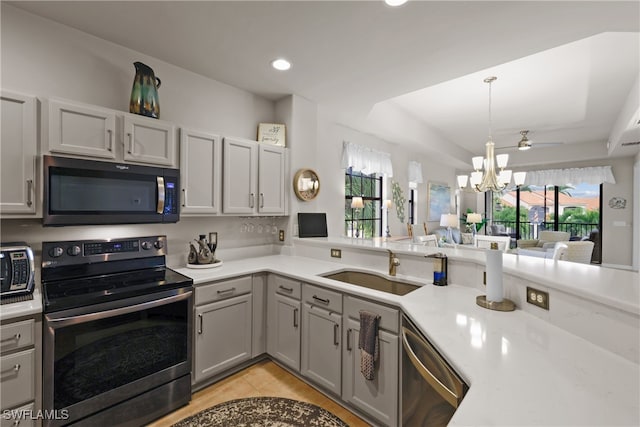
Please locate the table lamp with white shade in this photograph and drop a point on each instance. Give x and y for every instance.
(474, 218)
(357, 203)
(449, 220)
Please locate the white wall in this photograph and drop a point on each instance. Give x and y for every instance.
(43, 58)
(636, 213)
(328, 159)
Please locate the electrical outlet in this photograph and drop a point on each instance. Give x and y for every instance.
(336, 253)
(281, 235)
(538, 297)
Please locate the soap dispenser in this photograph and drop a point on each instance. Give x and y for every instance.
(440, 268)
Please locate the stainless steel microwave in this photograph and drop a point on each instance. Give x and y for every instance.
(17, 270)
(83, 192)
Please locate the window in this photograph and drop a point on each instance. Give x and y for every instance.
(366, 222)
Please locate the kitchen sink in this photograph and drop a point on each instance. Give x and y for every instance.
(372, 281)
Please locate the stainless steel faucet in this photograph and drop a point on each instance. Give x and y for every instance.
(393, 263)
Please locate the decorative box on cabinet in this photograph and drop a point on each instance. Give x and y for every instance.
(223, 326)
(253, 178)
(200, 172)
(20, 370)
(18, 155)
(283, 325)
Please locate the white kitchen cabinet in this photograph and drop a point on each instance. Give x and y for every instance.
(322, 347)
(79, 129)
(73, 128)
(200, 172)
(253, 178)
(283, 326)
(148, 140)
(378, 397)
(20, 368)
(18, 154)
(223, 326)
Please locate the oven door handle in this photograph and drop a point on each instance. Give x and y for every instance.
(83, 318)
(160, 206)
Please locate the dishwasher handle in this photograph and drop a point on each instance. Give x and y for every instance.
(451, 397)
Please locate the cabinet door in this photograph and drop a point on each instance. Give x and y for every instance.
(321, 347)
(200, 172)
(240, 176)
(283, 330)
(149, 141)
(223, 336)
(377, 397)
(18, 153)
(17, 378)
(271, 176)
(80, 129)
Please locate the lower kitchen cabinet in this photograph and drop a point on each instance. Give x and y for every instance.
(223, 332)
(378, 397)
(322, 347)
(283, 327)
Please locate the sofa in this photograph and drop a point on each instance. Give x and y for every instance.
(458, 237)
(546, 240)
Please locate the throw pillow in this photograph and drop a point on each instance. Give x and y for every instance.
(467, 239)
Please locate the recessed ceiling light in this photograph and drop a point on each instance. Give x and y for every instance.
(281, 64)
(395, 3)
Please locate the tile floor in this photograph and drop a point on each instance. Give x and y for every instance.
(264, 378)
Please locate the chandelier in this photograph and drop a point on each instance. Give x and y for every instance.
(490, 180)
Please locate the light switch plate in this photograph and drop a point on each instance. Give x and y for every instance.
(336, 253)
(281, 235)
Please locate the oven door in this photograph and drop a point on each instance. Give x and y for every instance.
(80, 192)
(98, 356)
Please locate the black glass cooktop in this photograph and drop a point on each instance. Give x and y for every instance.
(79, 292)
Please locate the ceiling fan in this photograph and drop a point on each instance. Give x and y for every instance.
(525, 143)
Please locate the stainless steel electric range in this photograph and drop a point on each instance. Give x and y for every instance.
(117, 332)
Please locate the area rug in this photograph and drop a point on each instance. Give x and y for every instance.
(263, 412)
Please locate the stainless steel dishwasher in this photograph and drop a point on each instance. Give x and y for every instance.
(431, 390)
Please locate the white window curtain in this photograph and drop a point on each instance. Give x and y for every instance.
(365, 159)
(415, 172)
(592, 175)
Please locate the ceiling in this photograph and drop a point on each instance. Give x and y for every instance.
(412, 75)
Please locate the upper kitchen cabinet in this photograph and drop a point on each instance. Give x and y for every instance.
(254, 178)
(84, 130)
(149, 140)
(200, 172)
(72, 128)
(18, 153)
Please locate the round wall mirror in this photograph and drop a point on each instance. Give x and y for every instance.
(306, 184)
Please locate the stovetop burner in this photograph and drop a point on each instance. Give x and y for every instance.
(82, 273)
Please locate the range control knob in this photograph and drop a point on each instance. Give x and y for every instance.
(146, 245)
(159, 244)
(56, 251)
(74, 250)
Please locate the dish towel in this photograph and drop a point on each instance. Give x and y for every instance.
(368, 343)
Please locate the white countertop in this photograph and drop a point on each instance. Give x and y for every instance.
(614, 287)
(521, 370)
(25, 308)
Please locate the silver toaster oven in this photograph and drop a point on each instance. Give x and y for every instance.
(17, 269)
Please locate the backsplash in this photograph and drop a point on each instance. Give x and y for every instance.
(233, 233)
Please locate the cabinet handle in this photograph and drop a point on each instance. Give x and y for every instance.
(284, 288)
(262, 200)
(200, 328)
(252, 197)
(335, 334)
(15, 368)
(295, 317)
(16, 337)
(349, 339)
(131, 147)
(184, 197)
(322, 300)
(16, 423)
(110, 134)
(225, 291)
(29, 191)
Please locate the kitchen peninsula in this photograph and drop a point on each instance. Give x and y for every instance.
(521, 367)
